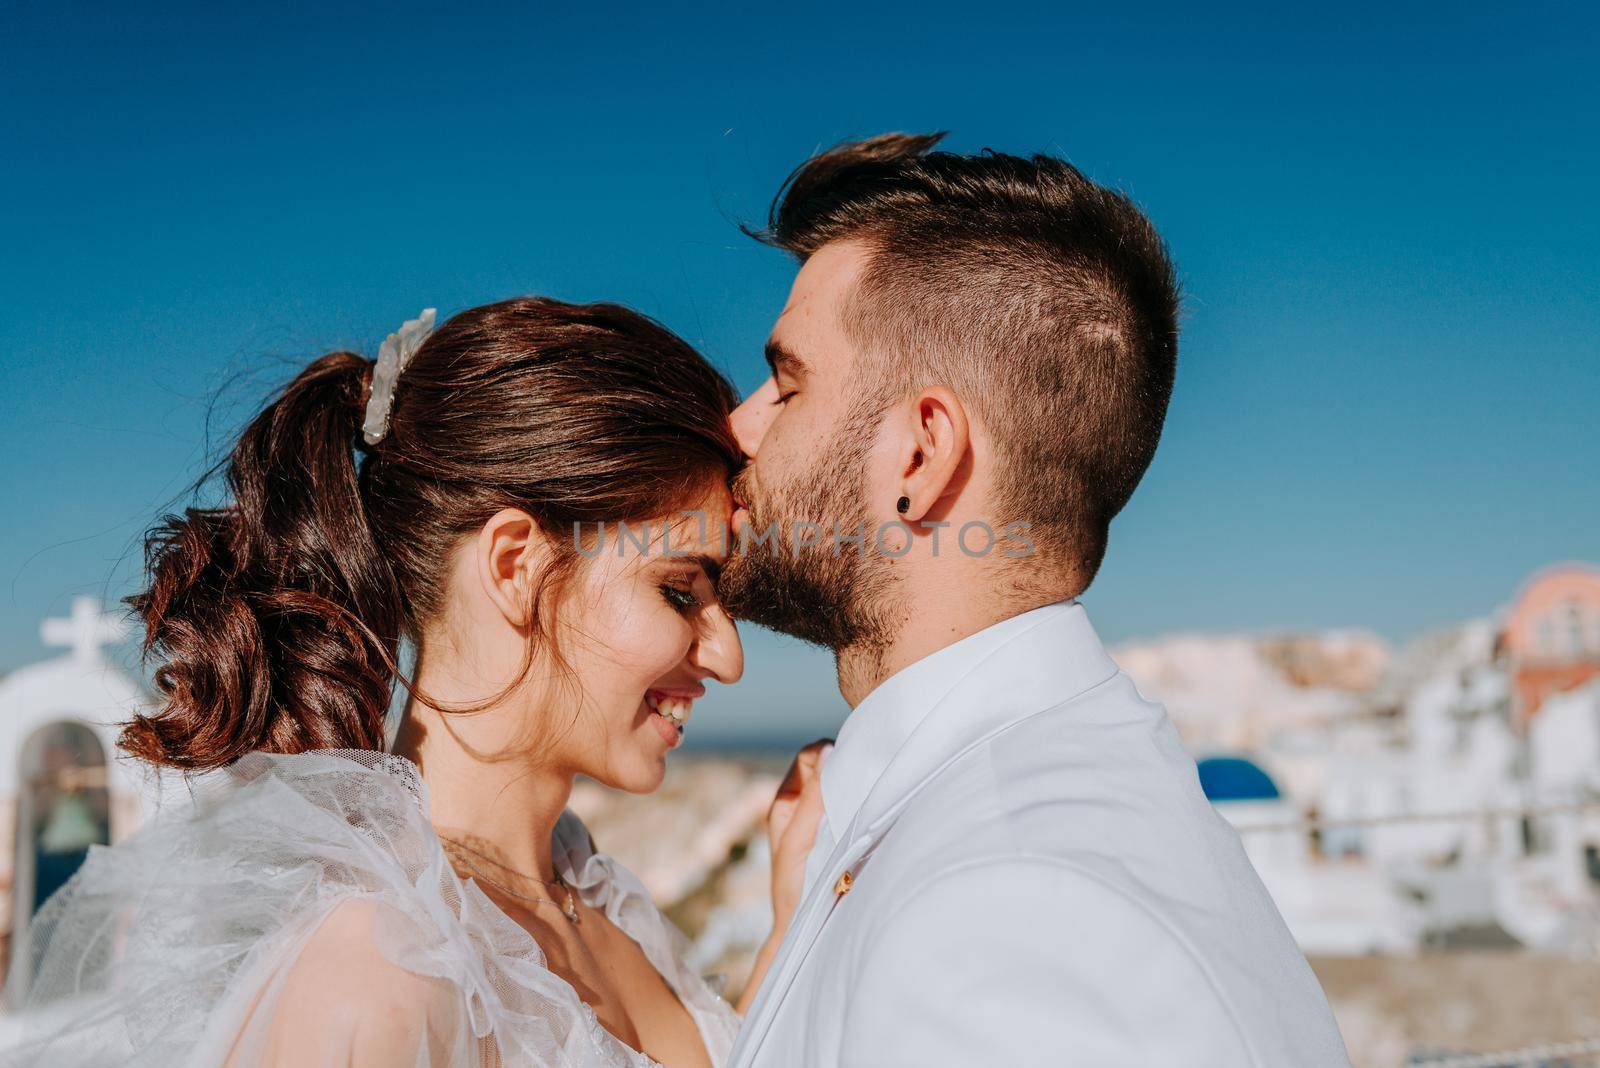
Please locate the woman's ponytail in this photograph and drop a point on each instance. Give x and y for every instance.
(276, 618)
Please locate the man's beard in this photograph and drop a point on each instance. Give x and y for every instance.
(835, 595)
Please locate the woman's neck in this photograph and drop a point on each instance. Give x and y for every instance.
(501, 807)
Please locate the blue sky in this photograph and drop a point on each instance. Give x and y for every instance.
(1384, 217)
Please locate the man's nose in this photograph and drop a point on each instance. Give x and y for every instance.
(752, 418)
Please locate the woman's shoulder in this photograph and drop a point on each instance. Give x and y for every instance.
(330, 778)
(344, 1000)
(407, 962)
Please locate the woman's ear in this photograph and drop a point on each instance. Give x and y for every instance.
(939, 439)
(511, 552)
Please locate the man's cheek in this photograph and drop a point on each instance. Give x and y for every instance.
(783, 437)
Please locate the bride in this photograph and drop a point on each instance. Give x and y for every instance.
(325, 902)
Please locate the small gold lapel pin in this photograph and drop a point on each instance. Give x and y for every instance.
(842, 887)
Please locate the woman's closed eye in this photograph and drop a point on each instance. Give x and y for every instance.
(682, 598)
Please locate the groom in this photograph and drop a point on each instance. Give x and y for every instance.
(1015, 864)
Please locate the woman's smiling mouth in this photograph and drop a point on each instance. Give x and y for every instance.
(672, 708)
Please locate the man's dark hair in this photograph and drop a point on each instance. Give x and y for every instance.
(1046, 301)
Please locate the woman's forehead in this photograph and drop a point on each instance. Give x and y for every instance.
(696, 531)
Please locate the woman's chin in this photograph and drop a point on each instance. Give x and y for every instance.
(643, 774)
(644, 784)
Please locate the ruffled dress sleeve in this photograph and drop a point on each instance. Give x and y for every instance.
(315, 884)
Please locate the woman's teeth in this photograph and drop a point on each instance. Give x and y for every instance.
(675, 710)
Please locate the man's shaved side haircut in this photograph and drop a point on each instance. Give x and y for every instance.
(1046, 301)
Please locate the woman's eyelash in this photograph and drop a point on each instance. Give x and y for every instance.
(682, 599)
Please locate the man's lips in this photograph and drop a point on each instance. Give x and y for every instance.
(739, 517)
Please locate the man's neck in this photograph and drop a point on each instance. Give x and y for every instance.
(862, 668)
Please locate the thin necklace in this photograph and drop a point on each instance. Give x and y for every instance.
(569, 910)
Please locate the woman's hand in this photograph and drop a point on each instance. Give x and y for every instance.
(791, 828)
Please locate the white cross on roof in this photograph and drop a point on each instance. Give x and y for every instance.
(85, 630)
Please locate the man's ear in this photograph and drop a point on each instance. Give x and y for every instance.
(510, 553)
(938, 442)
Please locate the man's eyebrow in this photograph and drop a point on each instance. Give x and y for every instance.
(778, 356)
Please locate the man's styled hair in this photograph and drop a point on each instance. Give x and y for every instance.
(1046, 301)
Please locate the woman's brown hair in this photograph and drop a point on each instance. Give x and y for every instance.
(276, 618)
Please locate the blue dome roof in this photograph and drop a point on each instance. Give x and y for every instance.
(1235, 779)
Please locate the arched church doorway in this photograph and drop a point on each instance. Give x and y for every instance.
(63, 808)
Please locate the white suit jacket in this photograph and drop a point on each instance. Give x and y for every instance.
(1017, 867)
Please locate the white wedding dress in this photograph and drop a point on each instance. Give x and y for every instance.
(173, 947)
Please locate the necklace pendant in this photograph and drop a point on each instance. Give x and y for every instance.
(571, 909)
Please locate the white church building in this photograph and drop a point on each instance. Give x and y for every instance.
(62, 789)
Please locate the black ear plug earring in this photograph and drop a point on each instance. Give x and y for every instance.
(903, 505)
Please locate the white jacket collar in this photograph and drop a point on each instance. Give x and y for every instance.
(932, 710)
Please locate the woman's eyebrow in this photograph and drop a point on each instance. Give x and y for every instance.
(709, 564)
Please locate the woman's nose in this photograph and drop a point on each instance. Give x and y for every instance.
(718, 652)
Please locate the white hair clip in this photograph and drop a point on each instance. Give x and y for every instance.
(393, 355)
